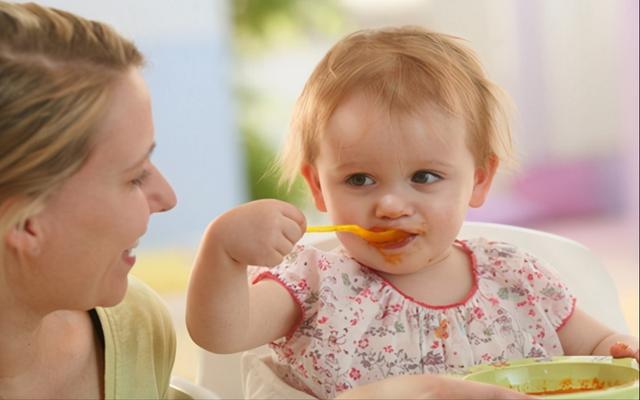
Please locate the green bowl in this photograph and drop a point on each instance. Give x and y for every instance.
(577, 377)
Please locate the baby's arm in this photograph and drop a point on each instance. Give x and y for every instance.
(226, 314)
(583, 335)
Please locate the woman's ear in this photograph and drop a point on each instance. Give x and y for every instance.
(313, 181)
(23, 238)
(482, 181)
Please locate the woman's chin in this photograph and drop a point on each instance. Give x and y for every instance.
(116, 294)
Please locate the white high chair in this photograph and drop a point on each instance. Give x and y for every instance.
(579, 268)
(182, 389)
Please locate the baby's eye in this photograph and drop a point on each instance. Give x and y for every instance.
(360, 180)
(425, 177)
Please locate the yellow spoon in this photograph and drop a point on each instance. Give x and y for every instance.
(390, 235)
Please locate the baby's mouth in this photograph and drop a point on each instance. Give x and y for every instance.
(396, 243)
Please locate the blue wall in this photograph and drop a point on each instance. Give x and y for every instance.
(187, 46)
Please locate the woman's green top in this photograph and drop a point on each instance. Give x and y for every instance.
(139, 345)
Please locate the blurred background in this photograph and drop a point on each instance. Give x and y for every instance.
(224, 75)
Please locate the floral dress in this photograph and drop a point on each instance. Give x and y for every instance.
(357, 328)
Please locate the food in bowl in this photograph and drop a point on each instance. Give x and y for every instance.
(584, 377)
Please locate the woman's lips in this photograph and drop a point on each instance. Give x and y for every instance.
(129, 256)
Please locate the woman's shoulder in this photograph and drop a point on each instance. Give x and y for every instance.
(138, 331)
(144, 308)
(140, 298)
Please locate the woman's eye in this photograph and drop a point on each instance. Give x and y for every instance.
(139, 180)
(425, 177)
(360, 180)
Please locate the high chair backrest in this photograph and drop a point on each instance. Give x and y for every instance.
(576, 265)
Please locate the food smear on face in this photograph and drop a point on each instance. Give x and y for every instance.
(390, 258)
(396, 237)
(394, 258)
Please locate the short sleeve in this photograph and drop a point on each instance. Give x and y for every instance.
(299, 274)
(552, 294)
(532, 284)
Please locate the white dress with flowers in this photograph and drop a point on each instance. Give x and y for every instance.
(357, 328)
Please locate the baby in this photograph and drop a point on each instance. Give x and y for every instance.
(396, 128)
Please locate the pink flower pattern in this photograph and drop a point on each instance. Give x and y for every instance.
(357, 328)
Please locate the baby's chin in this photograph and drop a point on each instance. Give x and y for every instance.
(379, 260)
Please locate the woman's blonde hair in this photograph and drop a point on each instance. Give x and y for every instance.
(56, 72)
(404, 68)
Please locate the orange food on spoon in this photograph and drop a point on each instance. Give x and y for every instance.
(379, 238)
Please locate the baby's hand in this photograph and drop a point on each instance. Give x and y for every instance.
(260, 232)
(620, 350)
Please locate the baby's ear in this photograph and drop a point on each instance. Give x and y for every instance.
(482, 181)
(313, 181)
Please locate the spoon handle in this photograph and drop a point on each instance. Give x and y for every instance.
(331, 228)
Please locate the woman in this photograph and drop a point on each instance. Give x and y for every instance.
(77, 188)
(76, 192)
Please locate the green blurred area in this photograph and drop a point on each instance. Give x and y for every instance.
(261, 174)
(258, 26)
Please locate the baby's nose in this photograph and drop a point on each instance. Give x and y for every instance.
(391, 206)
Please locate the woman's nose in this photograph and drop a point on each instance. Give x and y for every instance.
(160, 194)
(393, 206)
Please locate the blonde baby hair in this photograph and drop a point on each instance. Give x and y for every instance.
(405, 68)
(56, 72)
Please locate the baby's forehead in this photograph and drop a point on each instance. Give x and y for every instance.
(363, 112)
(402, 104)
(360, 126)
(358, 121)
(385, 148)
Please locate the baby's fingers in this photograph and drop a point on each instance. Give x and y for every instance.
(284, 245)
(292, 232)
(621, 350)
(280, 247)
